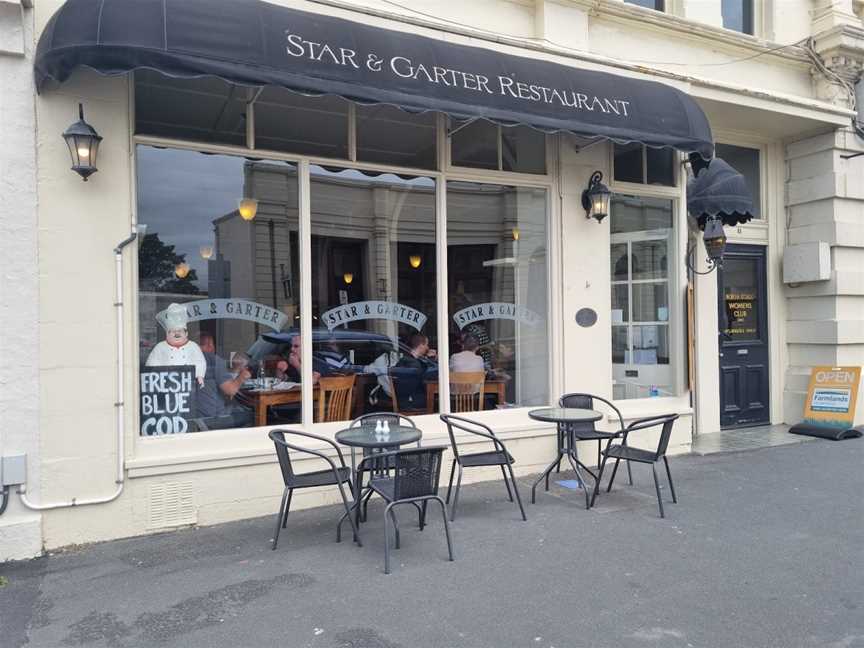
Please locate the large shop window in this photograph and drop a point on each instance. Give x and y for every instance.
(374, 306)
(642, 249)
(219, 283)
(497, 287)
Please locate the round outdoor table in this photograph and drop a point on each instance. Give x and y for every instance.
(364, 436)
(566, 442)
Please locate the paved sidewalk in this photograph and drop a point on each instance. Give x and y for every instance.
(765, 548)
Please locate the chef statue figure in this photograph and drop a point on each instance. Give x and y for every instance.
(177, 348)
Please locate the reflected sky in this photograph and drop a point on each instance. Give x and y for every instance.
(180, 194)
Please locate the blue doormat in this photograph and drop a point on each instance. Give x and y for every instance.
(572, 484)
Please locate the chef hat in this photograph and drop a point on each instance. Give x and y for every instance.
(175, 317)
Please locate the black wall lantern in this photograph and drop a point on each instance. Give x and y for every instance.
(595, 199)
(83, 142)
(717, 195)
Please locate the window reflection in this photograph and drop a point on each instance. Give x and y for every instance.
(746, 162)
(213, 287)
(374, 289)
(496, 268)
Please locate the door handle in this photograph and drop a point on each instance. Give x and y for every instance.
(743, 351)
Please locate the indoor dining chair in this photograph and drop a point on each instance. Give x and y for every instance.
(466, 390)
(335, 396)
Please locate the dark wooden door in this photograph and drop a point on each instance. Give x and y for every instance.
(743, 321)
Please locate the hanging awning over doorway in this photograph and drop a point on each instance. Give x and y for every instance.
(718, 189)
(257, 43)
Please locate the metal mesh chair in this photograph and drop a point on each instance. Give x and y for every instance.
(588, 431)
(385, 464)
(332, 476)
(639, 455)
(416, 473)
(496, 457)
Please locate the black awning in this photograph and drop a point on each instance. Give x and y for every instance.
(256, 43)
(719, 190)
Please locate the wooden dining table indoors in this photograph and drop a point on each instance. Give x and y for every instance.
(261, 399)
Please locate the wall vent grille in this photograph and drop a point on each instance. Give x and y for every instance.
(171, 504)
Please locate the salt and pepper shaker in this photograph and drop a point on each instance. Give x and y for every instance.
(379, 429)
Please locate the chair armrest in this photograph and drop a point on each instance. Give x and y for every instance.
(316, 453)
(318, 437)
(374, 457)
(644, 424)
(499, 446)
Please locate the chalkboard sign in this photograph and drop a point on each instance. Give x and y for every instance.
(167, 400)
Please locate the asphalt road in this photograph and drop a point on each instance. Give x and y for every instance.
(765, 548)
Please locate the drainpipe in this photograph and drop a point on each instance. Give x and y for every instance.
(118, 406)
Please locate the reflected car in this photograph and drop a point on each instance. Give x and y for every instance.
(357, 352)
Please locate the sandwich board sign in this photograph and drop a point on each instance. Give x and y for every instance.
(829, 410)
(831, 396)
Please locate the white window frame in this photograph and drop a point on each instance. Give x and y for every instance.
(677, 273)
(442, 174)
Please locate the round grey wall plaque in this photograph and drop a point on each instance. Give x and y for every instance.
(586, 317)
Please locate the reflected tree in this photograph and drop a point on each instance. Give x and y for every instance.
(157, 262)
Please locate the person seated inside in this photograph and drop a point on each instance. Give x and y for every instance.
(467, 359)
(331, 355)
(411, 372)
(290, 369)
(216, 401)
(239, 363)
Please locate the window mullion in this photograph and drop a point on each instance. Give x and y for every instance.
(630, 300)
(442, 296)
(352, 131)
(251, 95)
(305, 226)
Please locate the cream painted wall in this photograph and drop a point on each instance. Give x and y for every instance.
(20, 529)
(826, 318)
(79, 224)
